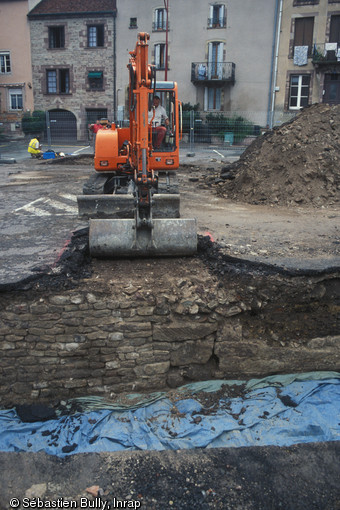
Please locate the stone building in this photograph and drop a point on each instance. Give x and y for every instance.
(307, 54)
(73, 54)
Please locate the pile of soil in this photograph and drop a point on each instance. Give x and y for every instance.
(296, 164)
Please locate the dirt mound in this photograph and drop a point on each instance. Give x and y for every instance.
(294, 164)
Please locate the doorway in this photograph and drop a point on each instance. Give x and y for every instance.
(332, 88)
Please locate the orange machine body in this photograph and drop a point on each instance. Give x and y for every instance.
(123, 148)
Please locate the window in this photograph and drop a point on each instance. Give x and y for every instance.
(212, 98)
(160, 19)
(332, 88)
(297, 3)
(64, 81)
(217, 17)
(5, 62)
(334, 35)
(15, 99)
(299, 91)
(51, 82)
(96, 81)
(133, 23)
(58, 81)
(215, 60)
(56, 37)
(95, 36)
(303, 35)
(160, 56)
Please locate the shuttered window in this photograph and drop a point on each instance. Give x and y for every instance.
(160, 56)
(95, 36)
(56, 37)
(334, 35)
(303, 35)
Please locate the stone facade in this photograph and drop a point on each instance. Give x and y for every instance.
(79, 60)
(59, 345)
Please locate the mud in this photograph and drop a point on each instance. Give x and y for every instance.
(259, 478)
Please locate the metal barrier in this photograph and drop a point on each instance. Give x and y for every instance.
(227, 130)
(62, 126)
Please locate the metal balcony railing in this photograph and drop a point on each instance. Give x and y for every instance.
(203, 72)
(217, 22)
(160, 26)
(326, 53)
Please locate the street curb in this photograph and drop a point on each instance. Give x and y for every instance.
(7, 161)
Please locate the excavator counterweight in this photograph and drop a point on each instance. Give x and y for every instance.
(132, 200)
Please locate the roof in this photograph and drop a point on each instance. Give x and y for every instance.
(61, 7)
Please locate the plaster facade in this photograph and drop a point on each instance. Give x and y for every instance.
(16, 92)
(244, 37)
(316, 71)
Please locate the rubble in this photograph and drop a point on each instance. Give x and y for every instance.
(296, 164)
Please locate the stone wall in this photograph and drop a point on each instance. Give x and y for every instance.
(79, 59)
(98, 341)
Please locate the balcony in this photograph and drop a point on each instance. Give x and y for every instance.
(217, 22)
(212, 72)
(326, 54)
(160, 26)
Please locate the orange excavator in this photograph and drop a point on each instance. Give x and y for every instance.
(132, 198)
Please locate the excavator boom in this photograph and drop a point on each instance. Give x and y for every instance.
(132, 201)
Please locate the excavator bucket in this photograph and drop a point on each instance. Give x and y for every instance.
(110, 238)
(122, 206)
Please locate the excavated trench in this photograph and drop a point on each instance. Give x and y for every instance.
(112, 327)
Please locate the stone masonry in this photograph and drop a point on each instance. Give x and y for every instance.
(79, 59)
(106, 338)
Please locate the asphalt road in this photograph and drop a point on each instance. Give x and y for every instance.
(39, 213)
(12, 151)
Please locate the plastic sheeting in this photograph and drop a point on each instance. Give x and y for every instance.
(277, 410)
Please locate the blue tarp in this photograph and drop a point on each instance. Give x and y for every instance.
(277, 410)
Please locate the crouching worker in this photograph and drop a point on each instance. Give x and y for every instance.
(34, 147)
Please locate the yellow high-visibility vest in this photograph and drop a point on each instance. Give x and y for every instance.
(32, 146)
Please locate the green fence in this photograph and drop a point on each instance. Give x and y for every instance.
(226, 130)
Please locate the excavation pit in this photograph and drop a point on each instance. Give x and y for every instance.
(110, 327)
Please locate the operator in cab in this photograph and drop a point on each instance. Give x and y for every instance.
(159, 119)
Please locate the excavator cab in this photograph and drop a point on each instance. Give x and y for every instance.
(166, 97)
(132, 199)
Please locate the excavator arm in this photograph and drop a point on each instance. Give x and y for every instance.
(155, 228)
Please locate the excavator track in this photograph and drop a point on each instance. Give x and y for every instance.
(95, 203)
(95, 184)
(167, 183)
